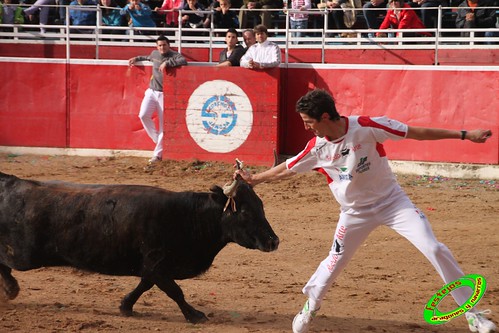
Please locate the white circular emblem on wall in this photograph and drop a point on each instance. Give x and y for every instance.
(219, 116)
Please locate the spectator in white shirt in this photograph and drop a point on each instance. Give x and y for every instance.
(264, 54)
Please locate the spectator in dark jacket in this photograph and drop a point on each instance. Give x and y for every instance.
(470, 14)
(231, 55)
(223, 17)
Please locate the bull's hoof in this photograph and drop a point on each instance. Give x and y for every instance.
(196, 317)
(126, 311)
(10, 288)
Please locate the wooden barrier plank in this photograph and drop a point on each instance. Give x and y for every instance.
(222, 113)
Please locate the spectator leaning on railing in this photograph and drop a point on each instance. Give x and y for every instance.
(111, 16)
(231, 55)
(249, 38)
(79, 16)
(139, 16)
(471, 14)
(263, 54)
(400, 16)
(170, 9)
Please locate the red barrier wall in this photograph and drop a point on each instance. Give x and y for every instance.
(104, 107)
(96, 106)
(448, 99)
(32, 113)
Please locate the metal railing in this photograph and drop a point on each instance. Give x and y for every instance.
(317, 36)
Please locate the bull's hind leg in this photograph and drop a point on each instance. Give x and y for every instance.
(8, 283)
(126, 307)
(173, 290)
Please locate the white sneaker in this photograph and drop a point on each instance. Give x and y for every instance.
(478, 323)
(302, 320)
(155, 159)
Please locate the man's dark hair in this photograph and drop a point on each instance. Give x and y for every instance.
(317, 102)
(163, 37)
(232, 30)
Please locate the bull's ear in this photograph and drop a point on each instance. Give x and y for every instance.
(219, 195)
(216, 189)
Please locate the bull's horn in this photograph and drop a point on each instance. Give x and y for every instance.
(230, 189)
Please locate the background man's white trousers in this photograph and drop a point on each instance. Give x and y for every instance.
(153, 102)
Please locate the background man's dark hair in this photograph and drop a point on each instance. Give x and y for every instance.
(163, 37)
(232, 30)
(315, 103)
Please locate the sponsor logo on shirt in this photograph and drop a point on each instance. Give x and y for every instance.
(343, 174)
(363, 165)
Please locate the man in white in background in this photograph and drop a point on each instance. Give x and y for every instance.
(163, 60)
(264, 54)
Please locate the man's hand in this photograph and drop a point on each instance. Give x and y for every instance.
(478, 135)
(254, 65)
(470, 16)
(131, 62)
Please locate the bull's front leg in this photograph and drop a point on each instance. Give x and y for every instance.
(126, 307)
(8, 283)
(172, 289)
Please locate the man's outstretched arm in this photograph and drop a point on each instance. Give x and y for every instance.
(276, 173)
(424, 133)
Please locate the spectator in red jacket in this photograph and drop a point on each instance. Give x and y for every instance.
(401, 16)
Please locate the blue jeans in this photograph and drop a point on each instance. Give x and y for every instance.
(301, 24)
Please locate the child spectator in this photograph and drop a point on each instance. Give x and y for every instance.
(139, 16)
(170, 9)
(298, 20)
(80, 16)
(111, 16)
(400, 16)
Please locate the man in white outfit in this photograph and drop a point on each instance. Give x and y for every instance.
(349, 152)
(263, 54)
(162, 59)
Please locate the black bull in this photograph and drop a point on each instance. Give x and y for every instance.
(128, 230)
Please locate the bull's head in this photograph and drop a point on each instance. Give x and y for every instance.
(245, 221)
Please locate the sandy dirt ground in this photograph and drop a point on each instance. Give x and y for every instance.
(384, 288)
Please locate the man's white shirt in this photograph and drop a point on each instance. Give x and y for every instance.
(267, 54)
(355, 165)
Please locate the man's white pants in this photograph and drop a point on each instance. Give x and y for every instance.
(400, 215)
(153, 102)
